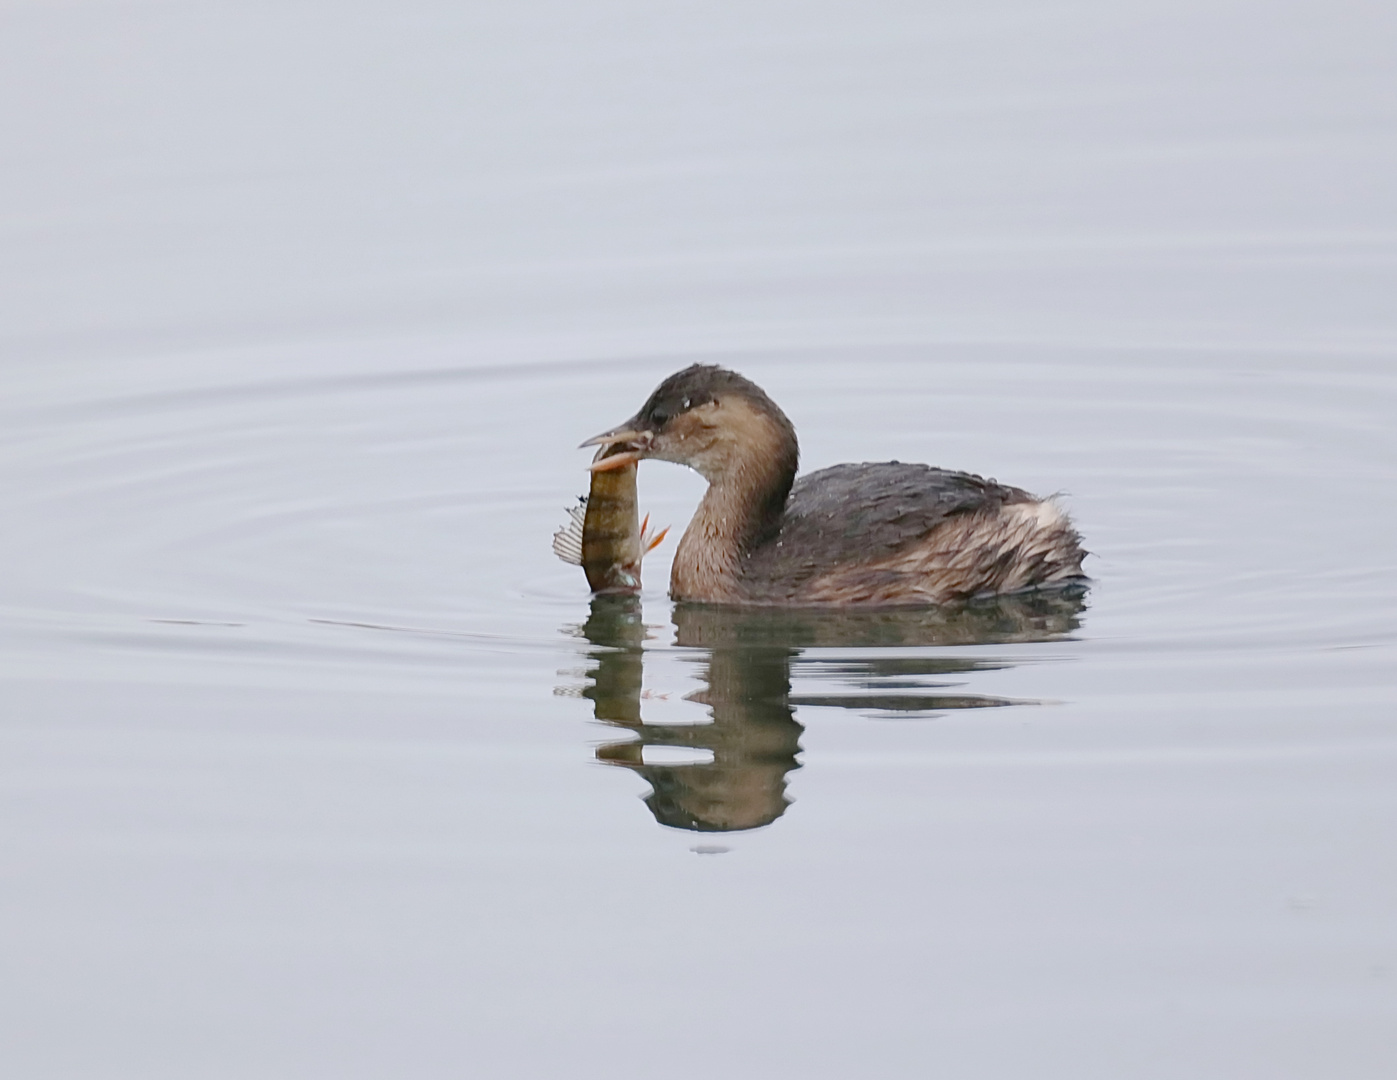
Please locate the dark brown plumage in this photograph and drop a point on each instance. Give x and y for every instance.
(868, 534)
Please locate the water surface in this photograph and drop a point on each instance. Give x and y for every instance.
(317, 762)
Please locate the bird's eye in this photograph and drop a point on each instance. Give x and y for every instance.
(688, 402)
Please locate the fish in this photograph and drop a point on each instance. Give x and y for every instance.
(605, 534)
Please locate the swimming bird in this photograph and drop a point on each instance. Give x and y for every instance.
(871, 534)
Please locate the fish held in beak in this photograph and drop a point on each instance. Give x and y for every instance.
(621, 446)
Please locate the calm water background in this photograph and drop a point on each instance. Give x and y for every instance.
(310, 747)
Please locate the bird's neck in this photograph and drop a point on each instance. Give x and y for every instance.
(743, 507)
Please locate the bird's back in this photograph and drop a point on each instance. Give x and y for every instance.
(897, 533)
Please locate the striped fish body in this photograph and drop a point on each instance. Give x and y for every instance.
(611, 547)
(605, 535)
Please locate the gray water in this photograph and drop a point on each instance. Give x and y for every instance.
(317, 763)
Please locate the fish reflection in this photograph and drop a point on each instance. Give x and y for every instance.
(753, 738)
(747, 660)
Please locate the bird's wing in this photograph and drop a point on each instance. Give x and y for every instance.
(852, 514)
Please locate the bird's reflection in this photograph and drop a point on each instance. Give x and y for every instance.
(753, 738)
(747, 659)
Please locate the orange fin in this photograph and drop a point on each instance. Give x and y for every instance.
(650, 544)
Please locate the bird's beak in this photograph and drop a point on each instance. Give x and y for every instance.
(621, 446)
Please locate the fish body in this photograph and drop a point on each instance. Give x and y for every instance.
(606, 536)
